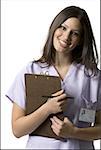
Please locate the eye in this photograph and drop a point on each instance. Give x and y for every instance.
(75, 33)
(63, 27)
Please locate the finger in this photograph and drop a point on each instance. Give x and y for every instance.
(62, 97)
(55, 130)
(55, 124)
(57, 93)
(61, 104)
(57, 120)
(65, 120)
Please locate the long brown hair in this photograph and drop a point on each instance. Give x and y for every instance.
(86, 52)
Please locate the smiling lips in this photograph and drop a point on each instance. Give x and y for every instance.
(64, 44)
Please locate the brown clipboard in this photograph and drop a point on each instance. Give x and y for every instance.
(38, 86)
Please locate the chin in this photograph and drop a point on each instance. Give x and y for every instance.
(61, 51)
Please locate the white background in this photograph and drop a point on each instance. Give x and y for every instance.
(24, 28)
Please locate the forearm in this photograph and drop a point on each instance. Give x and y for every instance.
(26, 124)
(89, 134)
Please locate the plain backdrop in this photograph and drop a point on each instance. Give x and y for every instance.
(24, 28)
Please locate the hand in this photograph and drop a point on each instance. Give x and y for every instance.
(64, 129)
(55, 104)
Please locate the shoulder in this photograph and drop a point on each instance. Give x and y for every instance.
(79, 66)
(88, 73)
(78, 69)
(25, 69)
(28, 68)
(33, 67)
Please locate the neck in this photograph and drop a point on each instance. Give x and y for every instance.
(62, 60)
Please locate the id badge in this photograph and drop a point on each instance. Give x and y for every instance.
(87, 115)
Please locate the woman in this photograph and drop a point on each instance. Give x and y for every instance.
(70, 52)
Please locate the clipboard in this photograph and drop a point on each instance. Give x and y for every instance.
(37, 87)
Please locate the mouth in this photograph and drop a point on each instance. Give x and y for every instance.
(64, 44)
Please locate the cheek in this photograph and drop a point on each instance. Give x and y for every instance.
(55, 37)
(76, 41)
(55, 42)
(57, 33)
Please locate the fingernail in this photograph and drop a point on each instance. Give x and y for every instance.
(54, 117)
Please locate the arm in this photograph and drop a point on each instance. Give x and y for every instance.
(22, 125)
(67, 130)
(90, 133)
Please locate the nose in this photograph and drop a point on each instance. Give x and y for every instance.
(66, 35)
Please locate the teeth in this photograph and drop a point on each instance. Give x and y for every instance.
(62, 42)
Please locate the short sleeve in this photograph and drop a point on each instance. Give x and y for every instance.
(16, 92)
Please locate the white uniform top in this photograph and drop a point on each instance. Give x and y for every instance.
(85, 90)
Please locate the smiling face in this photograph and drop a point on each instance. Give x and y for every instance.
(67, 36)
